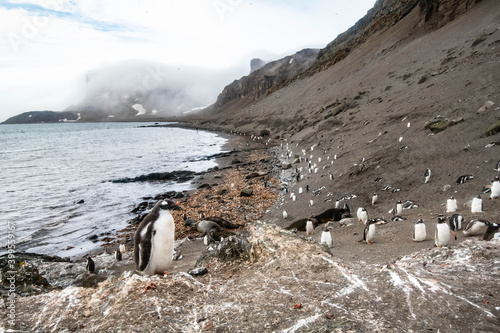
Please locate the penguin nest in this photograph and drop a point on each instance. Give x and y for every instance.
(224, 199)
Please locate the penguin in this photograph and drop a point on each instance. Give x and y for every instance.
(309, 227)
(419, 232)
(307, 188)
(497, 166)
(187, 220)
(300, 190)
(118, 254)
(122, 248)
(311, 203)
(337, 203)
(205, 226)
(464, 178)
(154, 239)
(399, 208)
(326, 237)
(397, 218)
(427, 175)
(495, 188)
(363, 216)
(358, 213)
(374, 199)
(477, 204)
(443, 232)
(456, 222)
(90, 266)
(476, 227)
(451, 205)
(369, 232)
(491, 231)
(285, 215)
(379, 220)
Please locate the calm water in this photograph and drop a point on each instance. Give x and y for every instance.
(48, 168)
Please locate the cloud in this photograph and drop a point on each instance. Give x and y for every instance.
(64, 39)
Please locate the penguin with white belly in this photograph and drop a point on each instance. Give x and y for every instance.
(443, 233)
(154, 239)
(369, 232)
(419, 232)
(495, 188)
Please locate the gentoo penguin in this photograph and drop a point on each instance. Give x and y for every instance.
(90, 266)
(451, 205)
(154, 239)
(326, 237)
(443, 232)
(369, 232)
(464, 178)
(456, 222)
(495, 188)
(363, 216)
(122, 248)
(491, 231)
(497, 166)
(477, 204)
(374, 199)
(427, 175)
(205, 226)
(285, 215)
(309, 227)
(300, 190)
(399, 208)
(419, 232)
(307, 188)
(118, 254)
(358, 213)
(476, 227)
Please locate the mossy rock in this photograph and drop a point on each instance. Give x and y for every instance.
(493, 129)
(438, 124)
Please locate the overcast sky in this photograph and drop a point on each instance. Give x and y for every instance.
(47, 46)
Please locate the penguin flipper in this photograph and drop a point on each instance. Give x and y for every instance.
(143, 246)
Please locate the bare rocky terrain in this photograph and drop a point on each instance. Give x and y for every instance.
(417, 87)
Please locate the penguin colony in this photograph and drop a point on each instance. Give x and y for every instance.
(444, 227)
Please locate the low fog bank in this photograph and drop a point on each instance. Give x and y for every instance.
(137, 87)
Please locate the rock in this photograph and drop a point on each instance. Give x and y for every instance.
(247, 192)
(286, 166)
(235, 161)
(80, 202)
(256, 174)
(486, 106)
(199, 271)
(92, 237)
(264, 133)
(493, 129)
(178, 176)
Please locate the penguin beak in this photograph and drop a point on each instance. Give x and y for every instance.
(176, 205)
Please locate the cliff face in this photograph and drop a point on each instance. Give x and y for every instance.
(264, 80)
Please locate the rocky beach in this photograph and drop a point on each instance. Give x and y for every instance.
(412, 86)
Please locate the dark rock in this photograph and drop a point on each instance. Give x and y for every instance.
(264, 133)
(247, 192)
(256, 174)
(177, 176)
(235, 161)
(221, 192)
(80, 202)
(199, 271)
(88, 280)
(204, 186)
(92, 237)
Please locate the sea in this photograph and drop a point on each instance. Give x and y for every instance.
(55, 179)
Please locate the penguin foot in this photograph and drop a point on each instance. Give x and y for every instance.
(150, 286)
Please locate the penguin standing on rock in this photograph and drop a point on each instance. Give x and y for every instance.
(90, 266)
(118, 254)
(154, 239)
(443, 232)
(419, 232)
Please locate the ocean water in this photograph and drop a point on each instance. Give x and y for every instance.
(46, 169)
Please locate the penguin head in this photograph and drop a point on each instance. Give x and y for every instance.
(420, 221)
(169, 205)
(441, 220)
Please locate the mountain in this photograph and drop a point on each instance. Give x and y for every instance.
(413, 85)
(36, 117)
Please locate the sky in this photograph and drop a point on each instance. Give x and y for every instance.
(47, 47)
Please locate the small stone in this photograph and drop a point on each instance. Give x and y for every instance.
(247, 192)
(199, 271)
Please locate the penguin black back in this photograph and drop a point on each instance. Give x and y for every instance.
(90, 267)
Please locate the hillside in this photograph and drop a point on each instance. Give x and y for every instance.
(413, 85)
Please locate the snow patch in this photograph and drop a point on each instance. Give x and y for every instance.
(139, 108)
